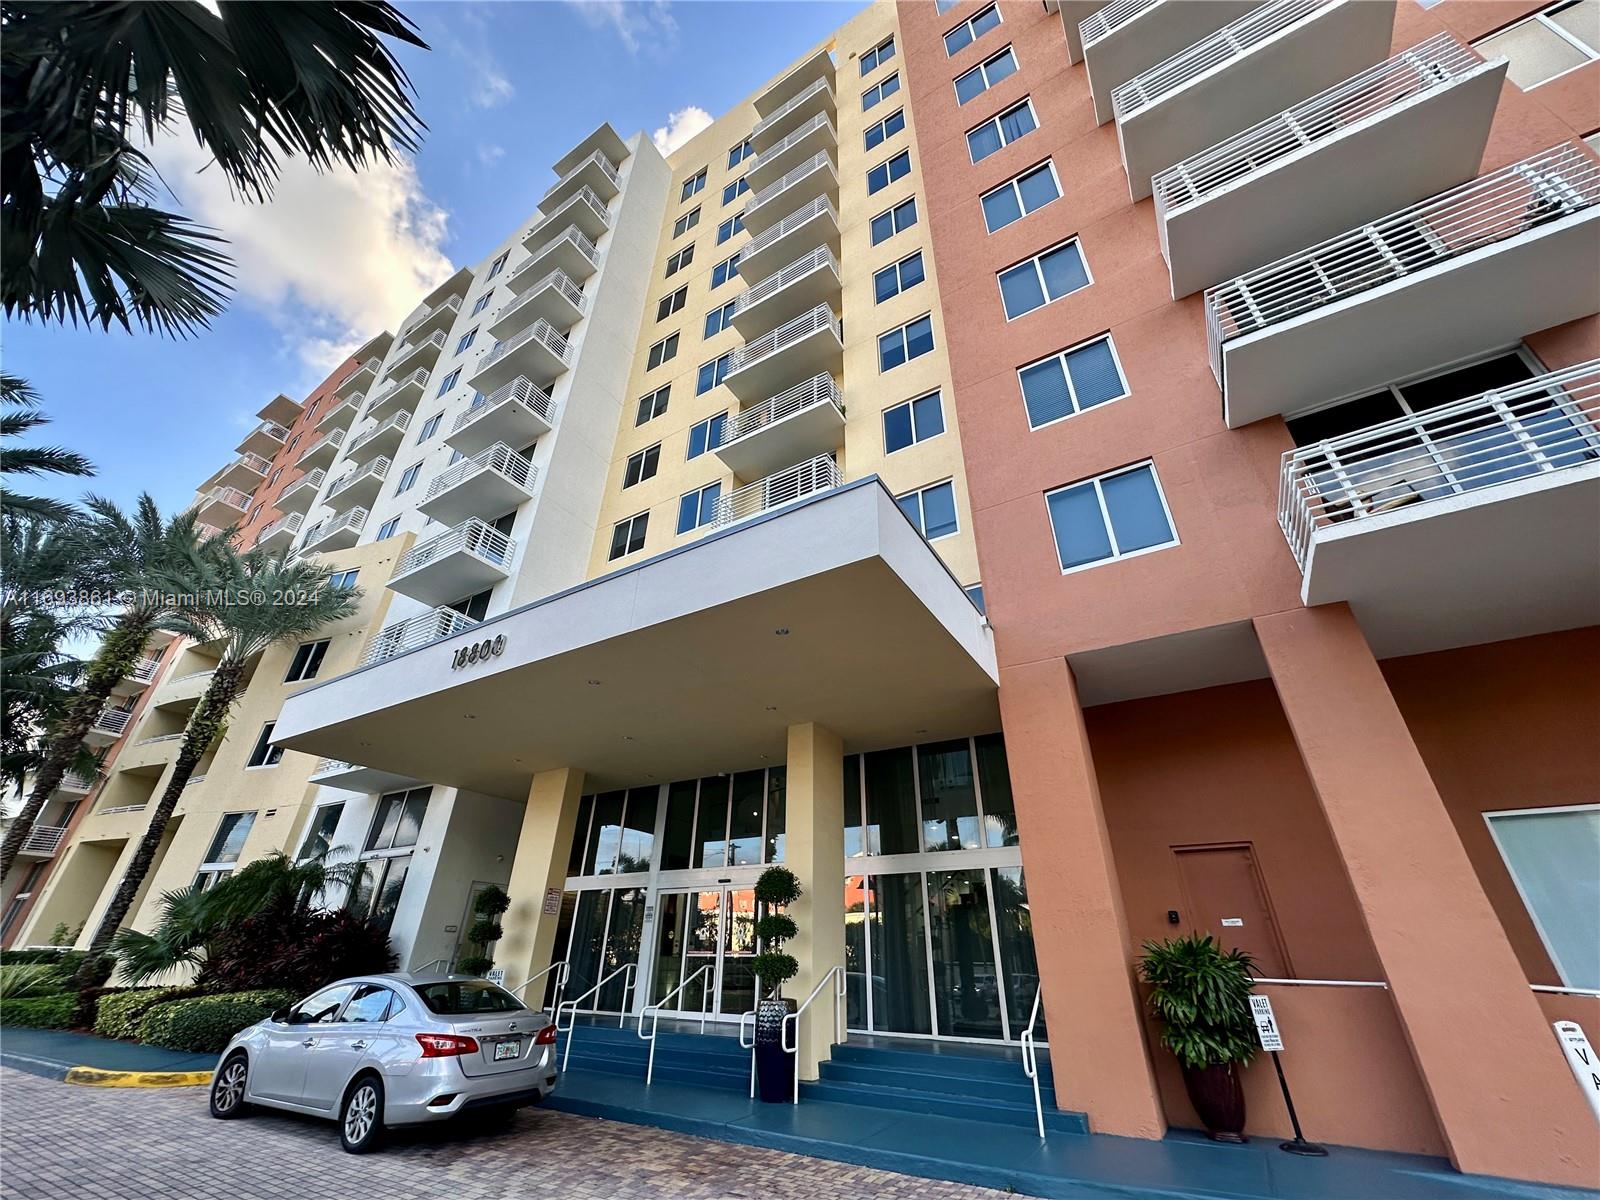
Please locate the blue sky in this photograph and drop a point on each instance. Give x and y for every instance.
(506, 90)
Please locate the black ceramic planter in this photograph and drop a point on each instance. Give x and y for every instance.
(1218, 1098)
(774, 1068)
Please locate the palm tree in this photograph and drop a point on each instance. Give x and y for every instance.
(153, 564)
(254, 617)
(23, 414)
(85, 84)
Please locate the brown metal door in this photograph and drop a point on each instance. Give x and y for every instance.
(1226, 898)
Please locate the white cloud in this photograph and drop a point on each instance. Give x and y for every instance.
(639, 23)
(489, 154)
(492, 88)
(333, 258)
(680, 127)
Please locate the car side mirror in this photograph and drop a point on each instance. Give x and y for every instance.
(281, 1016)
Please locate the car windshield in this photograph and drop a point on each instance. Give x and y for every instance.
(458, 997)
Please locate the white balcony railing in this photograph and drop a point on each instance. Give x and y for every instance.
(331, 441)
(113, 720)
(253, 463)
(1425, 67)
(1550, 423)
(376, 469)
(473, 536)
(775, 189)
(540, 331)
(817, 474)
(434, 341)
(798, 134)
(230, 497)
(415, 631)
(816, 390)
(1111, 18)
(288, 523)
(558, 279)
(520, 390)
(587, 197)
(570, 234)
(499, 458)
(272, 430)
(821, 257)
(417, 378)
(144, 670)
(396, 421)
(821, 85)
(351, 518)
(343, 411)
(44, 840)
(75, 781)
(806, 212)
(1493, 208)
(607, 168)
(449, 304)
(803, 326)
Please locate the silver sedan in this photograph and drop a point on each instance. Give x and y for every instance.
(384, 1050)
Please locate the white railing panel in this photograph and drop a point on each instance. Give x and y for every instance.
(823, 84)
(819, 318)
(420, 630)
(473, 536)
(499, 458)
(806, 212)
(520, 391)
(818, 161)
(816, 260)
(819, 389)
(817, 474)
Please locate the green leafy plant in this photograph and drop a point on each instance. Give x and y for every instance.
(485, 931)
(205, 1024)
(22, 980)
(1201, 994)
(117, 1014)
(778, 887)
(39, 1012)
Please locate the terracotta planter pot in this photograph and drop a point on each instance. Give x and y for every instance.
(1218, 1097)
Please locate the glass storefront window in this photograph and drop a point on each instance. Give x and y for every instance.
(853, 846)
(994, 778)
(966, 986)
(744, 825)
(580, 835)
(588, 941)
(855, 952)
(893, 825)
(605, 834)
(677, 838)
(949, 799)
(777, 795)
(897, 926)
(622, 944)
(638, 831)
(1014, 929)
(711, 827)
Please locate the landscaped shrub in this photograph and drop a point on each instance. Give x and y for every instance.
(10, 957)
(300, 951)
(39, 1012)
(117, 1014)
(21, 980)
(206, 1023)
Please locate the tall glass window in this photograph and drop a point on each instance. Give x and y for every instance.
(899, 980)
(892, 820)
(949, 800)
(744, 824)
(711, 828)
(966, 985)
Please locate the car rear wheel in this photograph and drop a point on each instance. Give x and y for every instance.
(361, 1118)
(228, 1088)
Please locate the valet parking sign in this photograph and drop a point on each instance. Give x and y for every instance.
(1581, 1058)
(1266, 1025)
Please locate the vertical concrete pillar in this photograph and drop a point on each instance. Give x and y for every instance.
(814, 851)
(548, 824)
(1505, 1101)
(1080, 932)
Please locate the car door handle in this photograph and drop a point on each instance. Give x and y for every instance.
(358, 1045)
(309, 1042)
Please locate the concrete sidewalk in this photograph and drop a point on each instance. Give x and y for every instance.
(84, 1058)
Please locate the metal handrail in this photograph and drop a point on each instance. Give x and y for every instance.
(432, 962)
(765, 196)
(1426, 67)
(570, 1007)
(823, 83)
(1563, 991)
(253, 463)
(655, 1015)
(474, 535)
(311, 480)
(1545, 187)
(521, 390)
(1549, 423)
(421, 630)
(792, 1020)
(143, 670)
(288, 522)
(231, 496)
(750, 1016)
(113, 720)
(1361, 983)
(1030, 1058)
(815, 208)
(557, 279)
(499, 458)
(44, 839)
(541, 330)
(817, 474)
(816, 390)
(811, 261)
(797, 134)
(807, 323)
(1111, 18)
(607, 168)
(561, 981)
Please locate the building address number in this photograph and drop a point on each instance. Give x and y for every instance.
(477, 652)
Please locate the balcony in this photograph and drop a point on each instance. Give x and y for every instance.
(555, 299)
(1484, 264)
(245, 472)
(516, 413)
(400, 396)
(418, 354)
(1074, 13)
(1130, 36)
(1404, 130)
(222, 506)
(74, 783)
(1243, 73)
(1470, 522)
(180, 695)
(809, 226)
(819, 474)
(360, 378)
(806, 140)
(138, 677)
(459, 562)
(42, 841)
(439, 318)
(280, 535)
(420, 630)
(493, 481)
(300, 495)
(583, 208)
(111, 724)
(811, 344)
(568, 251)
(539, 352)
(338, 418)
(280, 410)
(801, 423)
(360, 486)
(265, 440)
(149, 756)
(336, 533)
(808, 281)
(817, 98)
(772, 100)
(383, 438)
(596, 173)
(353, 777)
(812, 178)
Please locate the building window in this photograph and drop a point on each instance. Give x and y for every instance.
(735, 189)
(293, 442)
(712, 373)
(1057, 272)
(943, 6)
(498, 265)
(724, 271)
(706, 435)
(264, 753)
(475, 607)
(663, 351)
(466, 341)
(719, 319)
(964, 34)
(912, 422)
(483, 303)
(911, 340)
(1067, 383)
(698, 507)
(343, 580)
(878, 133)
(885, 173)
(676, 262)
(408, 478)
(733, 225)
(653, 405)
(671, 304)
(686, 222)
(739, 153)
(1018, 197)
(880, 91)
(319, 832)
(396, 827)
(388, 529)
(429, 427)
(1559, 39)
(878, 55)
(449, 381)
(276, 475)
(1111, 516)
(931, 509)
(974, 83)
(897, 277)
(307, 661)
(975, 594)
(901, 217)
(998, 132)
(316, 404)
(225, 849)
(693, 185)
(1550, 854)
(642, 465)
(627, 537)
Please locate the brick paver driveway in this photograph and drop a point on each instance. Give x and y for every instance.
(59, 1140)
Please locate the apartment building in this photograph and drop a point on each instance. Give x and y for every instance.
(1052, 475)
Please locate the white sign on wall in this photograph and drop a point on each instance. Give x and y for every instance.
(1581, 1058)
(1266, 1023)
(497, 975)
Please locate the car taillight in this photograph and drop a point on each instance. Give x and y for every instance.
(545, 1036)
(445, 1045)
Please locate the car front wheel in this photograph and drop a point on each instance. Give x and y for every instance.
(361, 1120)
(227, 1089)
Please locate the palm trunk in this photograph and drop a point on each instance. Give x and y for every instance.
(202, 730)
(118, 654)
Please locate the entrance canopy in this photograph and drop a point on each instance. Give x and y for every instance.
(831, 610)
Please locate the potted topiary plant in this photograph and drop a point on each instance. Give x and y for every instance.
(776, 888)
(1201, 994)
(485, 931)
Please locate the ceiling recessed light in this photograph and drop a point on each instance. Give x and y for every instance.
(781, 632)
(922, 731)
(626, 738)
(594, 683)
(772, 708)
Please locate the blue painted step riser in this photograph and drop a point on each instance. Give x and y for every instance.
(729, 1083)
(720, 1064)
(951, 1066)
(993, 1113)
(1019, 1091)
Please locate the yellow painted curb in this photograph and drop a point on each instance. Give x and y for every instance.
(94, 1077)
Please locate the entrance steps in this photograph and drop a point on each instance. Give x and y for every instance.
(705, 1060)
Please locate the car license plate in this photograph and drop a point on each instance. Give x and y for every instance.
(504, 1050)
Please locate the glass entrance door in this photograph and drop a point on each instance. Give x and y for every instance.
(711, 928)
